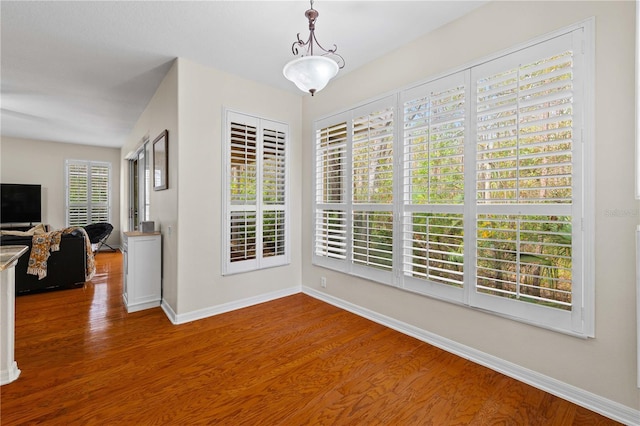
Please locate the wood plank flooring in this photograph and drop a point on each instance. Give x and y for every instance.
(293, 361)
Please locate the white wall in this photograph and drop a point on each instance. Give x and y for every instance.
(606, 365)
(161, 113)
(42, 162)
(189, 103)
(203, 94)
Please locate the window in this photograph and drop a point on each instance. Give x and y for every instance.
(433, 186)
(372, 187)
(354, 190)
(88, 189)
(331, 213)
(256, 194)
(528, 181)
(473, 192)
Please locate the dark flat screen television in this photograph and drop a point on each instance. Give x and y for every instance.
(20, 203)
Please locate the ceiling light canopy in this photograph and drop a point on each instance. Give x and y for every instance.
(310, 72)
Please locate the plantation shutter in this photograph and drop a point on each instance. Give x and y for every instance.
(273, 182)
(354, 185)
(243, 188)
(77, 194)
(256, 194)
(434, 116)
(87, 192)
(372, 187)
(483, 197)
(330, 177)
(527, 206)
(100, 192)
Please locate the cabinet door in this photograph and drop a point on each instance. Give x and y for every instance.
(144, 269)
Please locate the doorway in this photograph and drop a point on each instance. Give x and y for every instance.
(139, 182)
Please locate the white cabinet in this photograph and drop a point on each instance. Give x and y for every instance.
(142, 286)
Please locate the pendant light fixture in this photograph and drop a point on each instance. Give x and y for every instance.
(311, 72)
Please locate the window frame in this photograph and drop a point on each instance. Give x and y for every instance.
(579, 321)
(260, 206)
(89, 204)
(537, 313)
(348, 205)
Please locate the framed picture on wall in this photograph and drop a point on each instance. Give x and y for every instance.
(161, 161)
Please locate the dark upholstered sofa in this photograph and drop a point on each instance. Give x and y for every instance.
(66, 268)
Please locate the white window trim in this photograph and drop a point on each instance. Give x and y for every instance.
(582, 322)
(260, 262)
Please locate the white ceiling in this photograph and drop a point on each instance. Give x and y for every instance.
(83, 71)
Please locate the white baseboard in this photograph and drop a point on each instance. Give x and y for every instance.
(225, 307)
(169, 312)
(591, 401)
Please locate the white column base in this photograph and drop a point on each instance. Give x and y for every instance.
(8, 367)
(9, 374)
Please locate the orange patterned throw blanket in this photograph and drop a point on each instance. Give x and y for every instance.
(44, 244)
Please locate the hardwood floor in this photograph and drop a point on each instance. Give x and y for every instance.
(293, 361)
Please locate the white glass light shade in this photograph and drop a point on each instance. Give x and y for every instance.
(311, 73)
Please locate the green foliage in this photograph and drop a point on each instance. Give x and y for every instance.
(373, 239)
(526, 257)
(436, 248)
(523, 156)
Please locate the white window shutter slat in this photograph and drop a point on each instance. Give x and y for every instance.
(331, 234)
(373, 239)
(372, 163)
(526, 258)
(433, 248)
(243, 168)
(331, 167)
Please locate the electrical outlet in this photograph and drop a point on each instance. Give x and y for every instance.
(323, 282)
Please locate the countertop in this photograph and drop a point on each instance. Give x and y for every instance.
(9, 255)
(139, 234)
